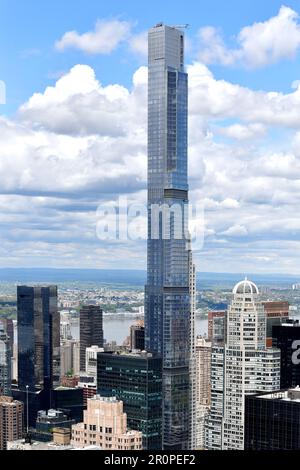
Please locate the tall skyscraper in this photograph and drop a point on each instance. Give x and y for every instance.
(168, 297)
(135, 379)
(11, 421)
(5, 364)
(248, 368)
(38, 344)
(91, 330)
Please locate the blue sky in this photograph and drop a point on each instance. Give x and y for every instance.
(73, 129)
(28, 31)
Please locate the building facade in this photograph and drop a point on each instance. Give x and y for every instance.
(38, 348)
(167, 294)
(248, 368)
(217, 327)
(105, 425)
(91, 330)
(203, 387)
(135, 379)
(137, 336)
(276, 314)
(5, 364)
(11, 421)
(272, 421)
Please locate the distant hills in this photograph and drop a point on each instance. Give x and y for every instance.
(132, 277)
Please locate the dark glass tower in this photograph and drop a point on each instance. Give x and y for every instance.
(168, 300)
(136, 380)
(91, 330)
(38, 340)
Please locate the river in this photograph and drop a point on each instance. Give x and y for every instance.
(117, 329)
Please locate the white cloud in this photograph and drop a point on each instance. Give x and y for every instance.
(138, 43)
(236, 231)
(106, 37)
(220, 99)
(242, 132)
(259, 44)
(80, 143)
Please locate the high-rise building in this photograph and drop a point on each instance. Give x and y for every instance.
(286, 337)
(217, 327)
(91, 330)
(5, 364)
(69, 357)
(105, 425)
(11, 421)
(276, 314)
(203, 387)
(167, 294)
(8, 325)
(272, 421)
(136, 380)
(249, 367)
(38, 346)
(137, 336)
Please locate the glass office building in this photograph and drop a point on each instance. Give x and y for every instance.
(38, 340)
(168, 299)
(136, 380)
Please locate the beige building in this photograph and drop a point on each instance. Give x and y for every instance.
(203, 387)
(11, 421)
(105, 425)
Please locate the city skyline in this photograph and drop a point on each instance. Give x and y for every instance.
(243, 142)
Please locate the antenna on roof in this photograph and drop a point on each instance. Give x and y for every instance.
(181, 26)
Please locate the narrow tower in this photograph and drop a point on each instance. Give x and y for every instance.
(168, 291)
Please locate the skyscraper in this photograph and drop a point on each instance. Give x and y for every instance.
(249, 367)
(91, 330)
(203, 388)
(168, 298)
(276, 314)
(135, 379)
(5, 364)
(38, 342)
(11, 421)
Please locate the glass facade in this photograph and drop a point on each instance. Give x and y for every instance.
(136, 380)
(91, 330)
(38, 338)
(272, 422)
(168, 299)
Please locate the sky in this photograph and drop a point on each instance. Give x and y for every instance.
(73, 129)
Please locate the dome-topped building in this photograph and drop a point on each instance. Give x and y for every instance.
(246, 287)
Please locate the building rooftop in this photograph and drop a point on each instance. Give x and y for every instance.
(292, 395)
(246, 287)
